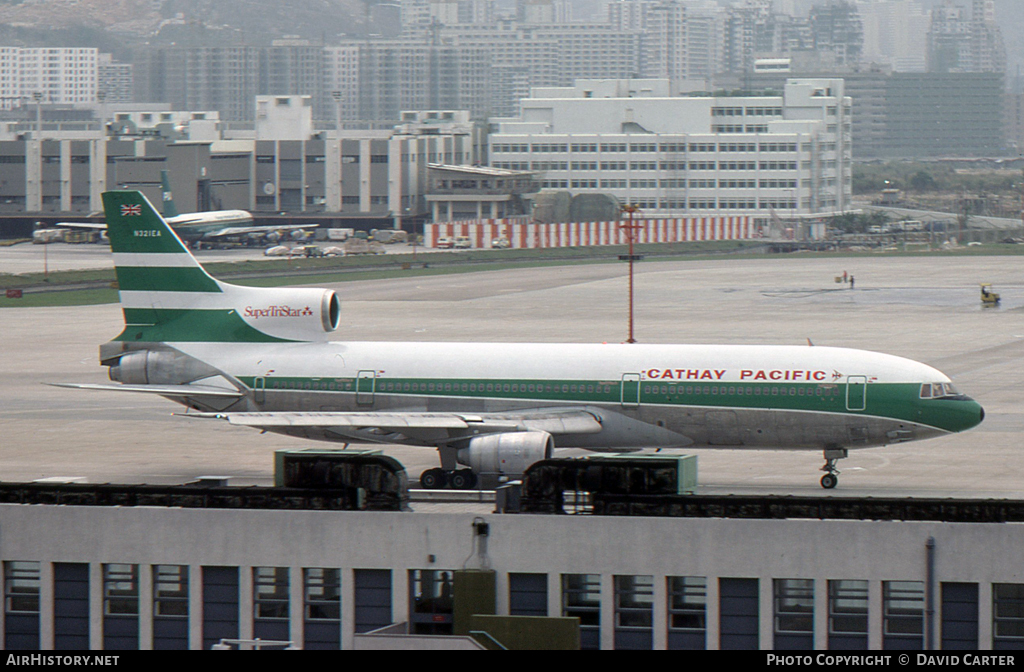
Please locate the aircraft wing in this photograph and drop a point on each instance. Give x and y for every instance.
(164, 390)
(242, 230)
(413, 422)
(82, 225)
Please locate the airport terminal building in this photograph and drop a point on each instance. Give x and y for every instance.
(637, 140)
(668, 152)
(54, 168)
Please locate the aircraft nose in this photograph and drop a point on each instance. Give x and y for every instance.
(974, 414)
(964, 414)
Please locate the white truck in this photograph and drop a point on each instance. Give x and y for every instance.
(390, 236)
(340, 235)
(44, 236)
(363, 246)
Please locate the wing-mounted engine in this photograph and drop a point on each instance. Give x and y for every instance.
(300, 314)
(506, 454)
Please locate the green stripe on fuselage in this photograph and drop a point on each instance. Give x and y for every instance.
(896, 401)
(174, 325)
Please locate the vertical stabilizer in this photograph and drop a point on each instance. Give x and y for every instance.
(159, 280)
(166, 196)
(167, 296)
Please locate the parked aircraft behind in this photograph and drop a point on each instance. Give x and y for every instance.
(213, 226)
(264, 358)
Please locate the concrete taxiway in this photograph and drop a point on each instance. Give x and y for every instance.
(922, 308)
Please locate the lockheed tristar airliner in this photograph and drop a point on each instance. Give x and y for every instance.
(264, 358)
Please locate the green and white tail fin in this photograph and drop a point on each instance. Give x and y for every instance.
(169, 209)
(167, 296)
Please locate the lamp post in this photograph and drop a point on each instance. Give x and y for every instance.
(38, 97)
(630, 233)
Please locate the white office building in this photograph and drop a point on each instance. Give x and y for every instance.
(672, 154)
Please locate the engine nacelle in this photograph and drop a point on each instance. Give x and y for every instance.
(291, 313)
(146, 367)
(507, 454)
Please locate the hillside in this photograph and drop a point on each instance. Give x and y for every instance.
(250, 20)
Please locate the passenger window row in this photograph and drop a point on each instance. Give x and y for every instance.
(482, 387)
(820, 391)
(928, 390)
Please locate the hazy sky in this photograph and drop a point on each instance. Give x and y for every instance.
(1009, 13)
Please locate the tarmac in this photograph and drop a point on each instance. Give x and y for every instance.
(924, 308)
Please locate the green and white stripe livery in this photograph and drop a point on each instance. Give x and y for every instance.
(262, 358)
(168, 297)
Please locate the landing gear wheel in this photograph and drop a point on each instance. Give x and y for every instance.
(831, 477)
(433, 479)
(463, 479)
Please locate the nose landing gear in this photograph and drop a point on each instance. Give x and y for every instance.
(831, 477)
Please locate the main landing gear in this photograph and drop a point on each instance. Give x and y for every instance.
(831, 477)
(436, 479)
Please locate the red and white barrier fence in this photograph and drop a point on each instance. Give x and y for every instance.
(521, 233)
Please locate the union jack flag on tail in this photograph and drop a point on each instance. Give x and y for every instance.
(131, 210)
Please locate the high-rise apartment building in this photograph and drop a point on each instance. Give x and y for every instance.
(678, 41)
(375, 80)
(524, 56)
(912, 115)
(341, 80)
(958, 42)
(837, 30)
(228, 78)
(543, 11)
(115, 82)
(53, 75)
(663, 51)
(748, 30)
(895, 33)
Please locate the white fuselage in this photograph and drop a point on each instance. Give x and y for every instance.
(647, 395)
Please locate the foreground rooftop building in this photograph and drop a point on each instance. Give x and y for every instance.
(646, 144)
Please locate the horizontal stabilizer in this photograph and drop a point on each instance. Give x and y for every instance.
(83, 225)
(165, 390)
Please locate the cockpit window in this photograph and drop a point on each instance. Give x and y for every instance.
(937, 390)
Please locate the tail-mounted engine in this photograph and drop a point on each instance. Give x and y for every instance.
(290, 313)
(507, 454)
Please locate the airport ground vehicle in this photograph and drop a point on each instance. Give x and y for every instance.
(988, 297)
(390, 236)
